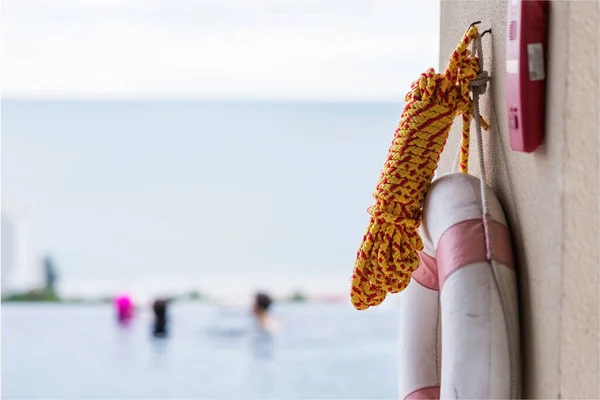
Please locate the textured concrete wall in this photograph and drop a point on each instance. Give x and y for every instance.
(550, 197)
(579, 345)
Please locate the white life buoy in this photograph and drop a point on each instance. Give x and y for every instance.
(459, 332)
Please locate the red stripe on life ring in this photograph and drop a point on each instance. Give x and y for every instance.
(427, 273)
(426, 393)
(464, 243)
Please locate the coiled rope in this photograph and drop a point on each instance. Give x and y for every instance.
(387, 256)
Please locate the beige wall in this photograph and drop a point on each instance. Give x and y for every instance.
(550, 196)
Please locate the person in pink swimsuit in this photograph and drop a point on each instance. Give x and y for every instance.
(124, 308)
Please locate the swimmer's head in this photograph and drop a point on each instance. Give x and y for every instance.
(262, 303)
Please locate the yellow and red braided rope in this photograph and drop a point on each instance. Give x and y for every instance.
(388, 253)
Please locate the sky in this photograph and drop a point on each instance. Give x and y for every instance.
(119, 193)
(245, 49)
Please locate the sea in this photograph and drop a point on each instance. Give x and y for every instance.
(321, 351)
(158, 198)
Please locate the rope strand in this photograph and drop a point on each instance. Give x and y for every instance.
(478, 87)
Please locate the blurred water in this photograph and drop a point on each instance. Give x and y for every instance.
(79, 352)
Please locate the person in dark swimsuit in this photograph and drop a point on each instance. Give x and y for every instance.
(160, 318)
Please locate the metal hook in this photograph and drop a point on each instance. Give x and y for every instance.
(474, 23)
(486, 31)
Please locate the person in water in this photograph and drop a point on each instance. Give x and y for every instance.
(262, 304)
(160, 318)
(262, 324)
(124, 308)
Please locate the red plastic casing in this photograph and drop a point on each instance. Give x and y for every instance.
(526, 60)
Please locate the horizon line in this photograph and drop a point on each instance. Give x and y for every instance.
(199, 99)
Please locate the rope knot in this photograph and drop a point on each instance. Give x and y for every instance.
(480, 82)
(382, 217)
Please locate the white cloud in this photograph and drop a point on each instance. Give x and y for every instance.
(267, 49)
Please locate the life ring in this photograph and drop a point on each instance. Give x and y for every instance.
(459, 330)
